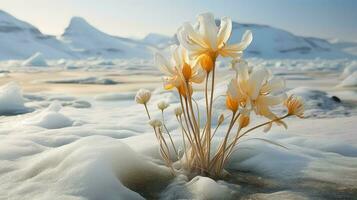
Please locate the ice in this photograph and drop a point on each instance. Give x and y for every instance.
(35, 60)
(318, 103)
(87, 80)
(352, 67)
(50, 118)
(11, 100)
(349, 81)
(115, 96)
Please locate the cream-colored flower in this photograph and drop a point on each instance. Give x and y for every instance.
(178, 111)
(256, 91)
(142, 96)
(179, 71)
(155, 123)
(295, 106)
(162, 105)
(210, 39)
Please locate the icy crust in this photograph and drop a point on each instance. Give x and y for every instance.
(11, 100)
(319, 103)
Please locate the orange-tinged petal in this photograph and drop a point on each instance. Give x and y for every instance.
(186, 71)
(206, 62)
(231, 103)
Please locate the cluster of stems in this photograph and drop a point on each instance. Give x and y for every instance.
(198, 156)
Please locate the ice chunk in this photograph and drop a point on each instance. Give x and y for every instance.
(350, 81)
(35, 60)
(11, 100)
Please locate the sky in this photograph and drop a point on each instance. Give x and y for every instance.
(328, 19)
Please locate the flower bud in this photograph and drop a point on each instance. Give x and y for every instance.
(178, 111)
(155, 123)
(142, 96)
(243, 120)
(221, 119)
(162, 105)
(206, 62)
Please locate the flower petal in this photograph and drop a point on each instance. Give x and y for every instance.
(224, 32)
(256, 81)
(163, 64)
(208, 29)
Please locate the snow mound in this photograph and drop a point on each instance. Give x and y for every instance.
(11, 100)
(35, 60)
(95, 167)
(204, 188)
(50, 118)
(318, 103)
(350, 81)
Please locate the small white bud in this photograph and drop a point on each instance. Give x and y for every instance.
(178, 111)
(155, 123)
(142, 96)
(162, 105)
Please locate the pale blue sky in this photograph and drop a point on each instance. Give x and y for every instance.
(136, 18)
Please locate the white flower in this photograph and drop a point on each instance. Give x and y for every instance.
(162, 105)
(155, 123)
(208, 38)
(256, 91)
(179, 70)
(142, 96)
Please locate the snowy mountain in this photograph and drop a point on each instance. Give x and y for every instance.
(158, 40)
(346, 46)
(19, 40)
(270, 42)
(87, 41)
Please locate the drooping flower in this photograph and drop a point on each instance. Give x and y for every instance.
(162, 105)
(179, 71)
(256, 91)
(295, 106)
(207, 40)
(142, 96)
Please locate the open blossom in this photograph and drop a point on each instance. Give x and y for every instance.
(179, 71)
(162, 105)
(142, 96)
(207, 40)
(295, 106)
(257, 91)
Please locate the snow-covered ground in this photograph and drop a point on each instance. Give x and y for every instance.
(66, 134)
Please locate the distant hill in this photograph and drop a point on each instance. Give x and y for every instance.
(20, 40)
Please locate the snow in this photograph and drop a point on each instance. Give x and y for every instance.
(36, 60)
(50, 118)
(11, 100)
